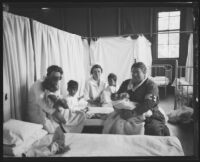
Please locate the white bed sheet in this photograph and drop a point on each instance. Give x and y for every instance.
(100, 110)
(22, 148)
(91, 145)
(160, 80)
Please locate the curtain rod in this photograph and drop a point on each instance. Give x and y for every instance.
(136, 34)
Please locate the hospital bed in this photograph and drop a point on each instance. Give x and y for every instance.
(108, 145)
(183, 89)
(101, 145)
(161, 74)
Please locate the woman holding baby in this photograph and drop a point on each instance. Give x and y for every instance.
(144, 92)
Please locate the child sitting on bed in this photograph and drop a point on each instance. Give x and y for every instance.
(74, 103)
(109, 90)
(112, 83)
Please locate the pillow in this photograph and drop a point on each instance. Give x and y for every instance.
(16, 131)
(24, 146)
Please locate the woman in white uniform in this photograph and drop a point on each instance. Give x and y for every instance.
(94, 86)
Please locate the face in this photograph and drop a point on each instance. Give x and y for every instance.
(96, 73)
(137, 75)
(54, 80)
(111, 82)
(72, 92)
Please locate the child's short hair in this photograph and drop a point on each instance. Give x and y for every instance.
(72, 84)
(112, 76)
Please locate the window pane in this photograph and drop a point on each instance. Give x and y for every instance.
(162, 51)
(173, 51)
(174, 23)
(162, 38)
(163, 14)
(174, 13)
(163, 23)
(174, 38)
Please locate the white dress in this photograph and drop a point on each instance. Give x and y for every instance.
(92, 90)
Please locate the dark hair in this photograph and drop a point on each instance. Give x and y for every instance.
(94, 67)
(140, 65)
(72, 84)
(112, 76)
(54, 68)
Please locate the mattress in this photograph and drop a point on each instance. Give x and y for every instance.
(91, 145)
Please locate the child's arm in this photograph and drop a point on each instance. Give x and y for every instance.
(57, 114)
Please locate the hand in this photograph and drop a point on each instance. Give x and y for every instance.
(79, 98)
(114, 96)
(95, 102)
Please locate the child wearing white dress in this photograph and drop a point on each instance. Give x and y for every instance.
(75, 103)
(111, 88)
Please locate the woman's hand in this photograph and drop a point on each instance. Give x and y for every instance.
(95, 102)
(114, 96)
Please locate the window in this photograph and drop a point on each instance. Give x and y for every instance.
(168, 34)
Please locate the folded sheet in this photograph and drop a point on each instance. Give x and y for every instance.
(90, 145)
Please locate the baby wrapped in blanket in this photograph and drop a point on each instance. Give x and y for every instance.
(115, 124)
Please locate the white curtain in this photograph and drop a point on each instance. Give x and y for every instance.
(18, 61)
(56, 47)
(189, 61)
(142, 51)
(115, 55)
(87, 60)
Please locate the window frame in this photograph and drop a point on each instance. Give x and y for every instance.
(156, 31)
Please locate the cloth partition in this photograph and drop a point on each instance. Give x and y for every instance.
(87, 60)
(56, 47)
(189, 61)
(116, 55)
(142, 51)
(18, 62)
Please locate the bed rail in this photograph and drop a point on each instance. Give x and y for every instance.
(183, 89)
